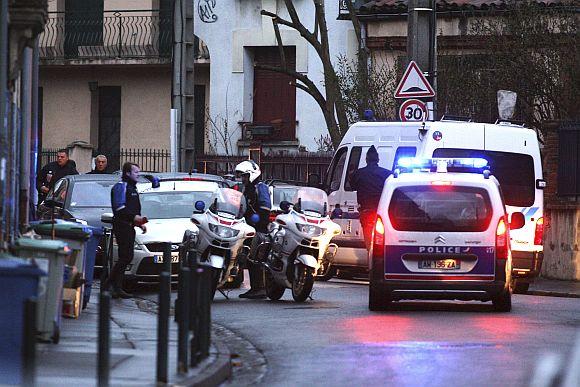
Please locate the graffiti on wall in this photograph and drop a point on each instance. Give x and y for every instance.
(205, 10)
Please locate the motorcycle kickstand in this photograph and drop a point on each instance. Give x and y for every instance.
(224, 294)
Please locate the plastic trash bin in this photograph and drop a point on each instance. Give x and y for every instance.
(76, 237)
(50, 256)
(91, 253)
(18, 282)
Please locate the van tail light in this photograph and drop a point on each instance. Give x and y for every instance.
(379, 238)
(539, 234)
(502, 239)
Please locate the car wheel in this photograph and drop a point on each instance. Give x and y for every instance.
(379, 300)
(503, 302)
(521, 287)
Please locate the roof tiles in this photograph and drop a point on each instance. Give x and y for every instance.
(400, 6)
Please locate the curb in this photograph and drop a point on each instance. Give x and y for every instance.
(547, 293)
(217, 372)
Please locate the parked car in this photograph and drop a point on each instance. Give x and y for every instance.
(168, 209)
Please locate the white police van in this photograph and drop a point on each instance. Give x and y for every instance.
(442, 233)
(512, 152)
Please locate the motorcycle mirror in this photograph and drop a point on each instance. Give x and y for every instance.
(255, 218)
(285, 206)
(200, 205)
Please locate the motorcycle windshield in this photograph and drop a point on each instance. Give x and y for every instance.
(228, 203)
(311, 201)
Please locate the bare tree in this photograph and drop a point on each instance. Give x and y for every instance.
(531, 49)
(330, 102)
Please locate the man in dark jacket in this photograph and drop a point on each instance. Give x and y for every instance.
(53, 172)
(259, 202)
(127, 215)
(368, 183)
(100, 166)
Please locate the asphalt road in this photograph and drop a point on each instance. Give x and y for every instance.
(335, 340)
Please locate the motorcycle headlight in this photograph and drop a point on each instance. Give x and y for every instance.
(309, 229)
(224, 232)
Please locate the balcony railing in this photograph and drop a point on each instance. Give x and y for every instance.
(108, 35)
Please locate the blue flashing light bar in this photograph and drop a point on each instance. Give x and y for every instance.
(477, 165)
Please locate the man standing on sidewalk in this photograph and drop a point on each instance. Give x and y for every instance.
(127, 215)
(53, 172)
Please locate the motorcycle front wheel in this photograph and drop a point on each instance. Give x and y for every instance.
(215, 278)
(273, 290)
(302, 283)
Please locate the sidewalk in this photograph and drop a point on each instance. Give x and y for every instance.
(554, 288)
(73, 362)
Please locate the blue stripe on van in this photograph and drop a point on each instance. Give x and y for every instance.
(529, 212)
(485, 258)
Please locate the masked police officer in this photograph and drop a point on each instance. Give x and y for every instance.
(368, 183)
(127, 215)
(259, 202)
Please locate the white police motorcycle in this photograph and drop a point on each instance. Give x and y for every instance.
(297, 241)
(222, 232)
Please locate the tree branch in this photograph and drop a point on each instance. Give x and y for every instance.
(298, 76)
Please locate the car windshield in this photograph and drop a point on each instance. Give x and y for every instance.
(172, 204)
(423, 208)
(283, 194)
(310, 201)
(92, 193)
(228, 203)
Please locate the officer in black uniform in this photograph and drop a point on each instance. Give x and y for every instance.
(368, 183)
(127, 215)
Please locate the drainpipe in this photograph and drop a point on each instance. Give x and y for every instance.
(3, 119)
(34, 138)
(25, 124)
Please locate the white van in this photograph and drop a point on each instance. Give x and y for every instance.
(513, 154)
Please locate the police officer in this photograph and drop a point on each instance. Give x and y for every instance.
(127, 214)
(368, 183)
(53, 172)
(258, 200)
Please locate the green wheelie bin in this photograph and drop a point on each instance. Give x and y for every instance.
(50, 257)
(76, 237)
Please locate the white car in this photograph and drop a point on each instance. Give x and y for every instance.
(168, 209)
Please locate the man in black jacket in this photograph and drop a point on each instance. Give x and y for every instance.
(126, 215)
(368, 183)
(53, 172)
(100, 166)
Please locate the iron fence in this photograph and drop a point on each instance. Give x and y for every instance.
(112, 34)
(287, 167)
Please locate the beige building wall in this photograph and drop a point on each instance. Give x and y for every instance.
(145, 104)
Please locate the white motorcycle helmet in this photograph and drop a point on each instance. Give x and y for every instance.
(249, 167)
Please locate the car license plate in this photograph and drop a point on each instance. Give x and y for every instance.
(159, 258)
(445, 264)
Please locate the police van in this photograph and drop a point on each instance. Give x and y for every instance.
(512, 152)
(442, 233)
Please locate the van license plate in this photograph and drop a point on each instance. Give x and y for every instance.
(445, 264)
(159, 258)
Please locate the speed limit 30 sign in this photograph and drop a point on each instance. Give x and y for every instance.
(413, 110)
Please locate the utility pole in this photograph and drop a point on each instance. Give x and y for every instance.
(4, 152)
(183, 81)
(422, 40)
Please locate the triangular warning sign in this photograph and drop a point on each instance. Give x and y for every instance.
(413, 84)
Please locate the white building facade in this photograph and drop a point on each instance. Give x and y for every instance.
(248, 105)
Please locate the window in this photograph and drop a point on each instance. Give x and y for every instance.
(59, 191)
(569, 160)
(453, 209)
(514, 171)
(92, 194)
(336, 168)
(353, 163)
